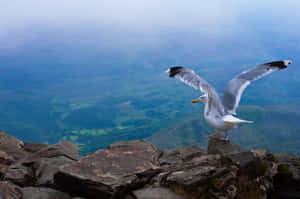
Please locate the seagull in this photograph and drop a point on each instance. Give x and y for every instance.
(217, 114)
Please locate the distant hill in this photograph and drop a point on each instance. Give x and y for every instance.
(275, 128)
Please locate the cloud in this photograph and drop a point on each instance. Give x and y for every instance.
(127, 13)
(215, 19)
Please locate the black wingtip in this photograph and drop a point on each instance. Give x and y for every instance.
(174, 70)
(280, 64)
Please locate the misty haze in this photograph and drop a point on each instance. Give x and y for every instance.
(92, 72)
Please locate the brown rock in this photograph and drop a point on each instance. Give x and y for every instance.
(43, 193)
(9, 191)
(5, 158)
(46, 168)
(156, 193)
(32, 147)
(11, 146)
(48, 159)
(180, 155)
(287, 180)
(19, 174)
(112, 172)
(194, 178)
(65, 148)
(217, 146)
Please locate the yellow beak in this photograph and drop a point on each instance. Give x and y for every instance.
(195, 101)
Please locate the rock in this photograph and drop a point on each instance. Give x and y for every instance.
(5, 158)
(260, 153)
(19, 174)
(287, 180)
(291, 162)
(32, 147)
(231, 190)
(229, 150)
(217, 146)
(9, 191)
(11, 146)
(180, 155)
(241, 158)
(138, 170)
(65, 148)
(112, 172)
(46, 168)
(156, 193)
(3, 168)
(43, 193)
(195, 177)
(48, 159)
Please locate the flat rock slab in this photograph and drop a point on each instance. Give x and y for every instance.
(43, 193)
(180, 155)
(222, 147)
(156, 193)
(5, 158)
(197, 172)
(107, 172)
(242, 158)
(66, 149)
(11, 146)
(9, 191)
(32, 147)
(19, 174)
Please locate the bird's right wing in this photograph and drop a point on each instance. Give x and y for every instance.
(189, 77)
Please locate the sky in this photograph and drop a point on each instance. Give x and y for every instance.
(123, 23)
(145, 15)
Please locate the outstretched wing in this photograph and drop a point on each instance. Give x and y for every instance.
(235, 87)
(192, 79)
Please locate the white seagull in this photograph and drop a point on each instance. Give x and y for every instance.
(219, 114)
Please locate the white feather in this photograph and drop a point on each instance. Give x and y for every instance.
(234, 120)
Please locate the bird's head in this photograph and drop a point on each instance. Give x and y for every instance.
(203, 99)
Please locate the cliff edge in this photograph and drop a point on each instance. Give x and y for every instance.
(139, 170)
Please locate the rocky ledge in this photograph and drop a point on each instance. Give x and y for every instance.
(139, 170)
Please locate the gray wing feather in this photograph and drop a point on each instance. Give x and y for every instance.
(236, 86)
(192, 79)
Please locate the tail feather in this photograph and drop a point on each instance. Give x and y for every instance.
(235, 120)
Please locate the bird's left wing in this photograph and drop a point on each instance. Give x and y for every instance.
(236, 86)
(189, 77)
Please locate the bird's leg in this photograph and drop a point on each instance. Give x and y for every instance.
(210, 136)
(226, 137)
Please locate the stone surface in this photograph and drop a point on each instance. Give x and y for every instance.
(43, 193)
(32, 147)
(241, 158)
(46, 168)
(65, 148)
(217, 146)
(138, 170)
(287, 180)
(19, 175)
(180, 155)
(9, 191)
(5, 158)
(156, 193)
(11, 146)
(109, 173)
(46, 161)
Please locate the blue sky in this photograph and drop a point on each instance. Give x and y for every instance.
(152, 22)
